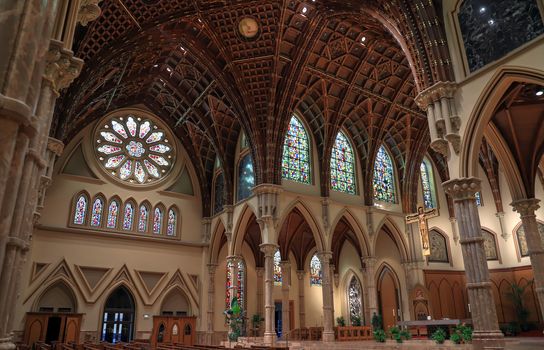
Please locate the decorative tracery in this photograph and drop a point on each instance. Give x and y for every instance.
(296, 153)
(80, 210)
(384, 183)
(128, 216)
(316, 274)
(342, 165)
(133, 149)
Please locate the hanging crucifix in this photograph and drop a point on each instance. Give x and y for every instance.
(421, 218)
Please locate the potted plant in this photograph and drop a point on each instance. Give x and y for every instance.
(376, 321)
(340, 321)
(379, 335)
(399, 335)
(355, 320)
(516, 296)
(256, 320)
(439, 336)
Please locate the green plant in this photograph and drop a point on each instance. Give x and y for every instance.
(355, 320)
(235, 318)
(516, 296)
(376, 321)
(439, 336)
(398, 334)
(340, 321)
(256, 320)
(461, 334)
(456, 338)
(405, 334)
(379, 335)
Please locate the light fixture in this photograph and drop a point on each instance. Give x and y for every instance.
(540, 92)
(491, 22)
(169, 69)
(155, 65)
(304, 9)
(363, 39)
(482, 9)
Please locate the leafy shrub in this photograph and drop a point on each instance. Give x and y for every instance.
(439, 336)
(355, 321)
(379, 335)
(376, 321)
(456, 338)
(340, 321)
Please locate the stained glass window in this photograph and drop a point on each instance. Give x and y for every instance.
(228, 284)
(277, 268)
(128, 217)
(240, 283)
(427, 184)
(96, 216)
(80, 210)
(296, 153)
(316, 274)
(219, 195)
(478, 199)
(522, 240)
(144, 218)
(246, 178)
(342, 165)
(439, 248)
(384, 183)
(490, 246)
(113, 213)
(171, 227)
(157, 221)
(355, 299)
(133, 149)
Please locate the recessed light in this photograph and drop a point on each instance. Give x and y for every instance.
(363, 39)
(540, 92)
(482, 9)
(491, 22)
(304, 9)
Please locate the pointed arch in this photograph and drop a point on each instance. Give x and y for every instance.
(389, 294)
(491, 246)
(119, 312)
(310, 219)
(245, 179)
(80, 209)
(128, 219)
(389, 227)
(358, 229)
(144, 215)
(218, 192)
(114, 209)
(343, 165)
(439, 243)
(57, 296)
(98, 205)
(172, 221)
(383, 178)
(180, 306)
(240, 228)
(296, 162)
(217, 240)
(158, 219)
(355, 299)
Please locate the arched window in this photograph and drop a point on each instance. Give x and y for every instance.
(219, 193)
(128, 216)
(118, 321)
(296, 153)
(246, 178)
(143, 219)
(522, 241)
(384, 182)
(355, 300)
(342, 165)
(316, 274)
(427, 184)
(490, 246)
(240, 283)
(113, 213)
(80, 210)
(478, 197)
(157, 221)
(96, 215)
(171, 225)
(277, 268)
(439, 247)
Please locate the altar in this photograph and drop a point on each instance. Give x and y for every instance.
(424, 328)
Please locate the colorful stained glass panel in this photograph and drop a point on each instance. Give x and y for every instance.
(426, 185)
(128, 218)
(80, 210)
(142, 221)
(383, 182)
(113, 213)
(342, 165)
(157, 221)
(277, 268)
(96, 216)
(316, 274)
(296, 153)
(171, 227)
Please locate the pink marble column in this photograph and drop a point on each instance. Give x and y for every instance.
(526, 209)
(301, 305)
(484, 316)
(328, 323)
(269, 250)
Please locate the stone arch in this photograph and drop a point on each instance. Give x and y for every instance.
(183, 303)
(357, 227)
(239, 230)
(446, 240)
(479, 119)
(217, 240)
(388, 298)
(388, 226)
(58, 295)
(317, 232)
(345, 300)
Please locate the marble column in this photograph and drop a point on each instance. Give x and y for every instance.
(301, 306)
(260, 285)
(369, 286)
(285, 287)
(484, 316)
(211, 303)
(269, 250)
(526, 209)
(328, 323)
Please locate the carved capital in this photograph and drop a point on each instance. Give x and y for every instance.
(526, 207)
(463, 188)
(300, 274)
(434, 93)
(455, 141)
(268, 249)
(324, 257)
(440, 146)
(212, 268)
(88, 11)
(55, 146)
(267, 196)
(61, 66)
(369, 261)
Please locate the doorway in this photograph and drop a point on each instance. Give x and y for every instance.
(53, 329)
(388, 296)
(278, 318)
(118, 321)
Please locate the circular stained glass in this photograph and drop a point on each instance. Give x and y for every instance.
(134, 149)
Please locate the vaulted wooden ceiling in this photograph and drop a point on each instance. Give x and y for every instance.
(338, 64)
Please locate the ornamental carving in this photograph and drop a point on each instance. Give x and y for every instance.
(88, 11)
(61, 66)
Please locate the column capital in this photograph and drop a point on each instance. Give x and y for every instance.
(462, 188)
(56, 146)
(88, 11)
(259, 271)
(285, 264)
(437, 91)
(526, 207)
(234, 258)
(61, 66)
(212, 268)
(268, 249)
(300, 274)
(324, 257)
(369, 261)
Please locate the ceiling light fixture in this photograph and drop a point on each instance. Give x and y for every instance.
(363, 39)
(304, 9)
(540, 92)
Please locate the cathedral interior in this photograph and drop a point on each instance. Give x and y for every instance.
(354, 161)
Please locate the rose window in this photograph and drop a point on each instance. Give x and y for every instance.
(134, 149)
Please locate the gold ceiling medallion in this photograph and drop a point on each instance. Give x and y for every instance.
(248, 28)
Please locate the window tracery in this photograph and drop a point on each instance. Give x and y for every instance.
(355, 298)
(316, 274)
(296, 153)
(383, 182)
(342, 165)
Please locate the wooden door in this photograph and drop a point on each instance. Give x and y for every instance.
(72, 328)
(175, 332)
(35, 327)
(388, 299)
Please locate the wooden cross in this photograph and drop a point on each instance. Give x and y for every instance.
(421, 218)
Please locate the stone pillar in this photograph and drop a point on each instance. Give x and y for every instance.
(211, 303)
(334, 278)
(260, 285)
(285, 287)
(369, 286)
(269, 250)
(301, 306)
(526, 209)
(328, 323)
(484, 316)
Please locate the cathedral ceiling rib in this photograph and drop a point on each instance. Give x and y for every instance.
(337, 64)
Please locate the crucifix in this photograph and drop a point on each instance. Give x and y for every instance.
(421, 218)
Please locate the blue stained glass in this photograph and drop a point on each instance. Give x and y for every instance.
(219, 194)
(277, 268)
(316, 274)
(96, 216)
(342, 165)
(296, 153)
(81, 210)
(129, 217)
(246, 178)
(426, 185)
(478, 199)
(383, 182)
(113, 212)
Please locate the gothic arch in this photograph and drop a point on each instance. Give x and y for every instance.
(239, 230)
(358, 229)
(217, 240)
(181, 291)
(388, 226)
(318, 234)
(384, 299)
(66, 286)
(447, 241)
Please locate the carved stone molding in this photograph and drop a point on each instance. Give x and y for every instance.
(526, 207)
(61, 66)
(324, 257)
(268, 249)
(55, 146)
(300, 274)
(463, 188)
(267, 195)
(369, 261)
(88, 11)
